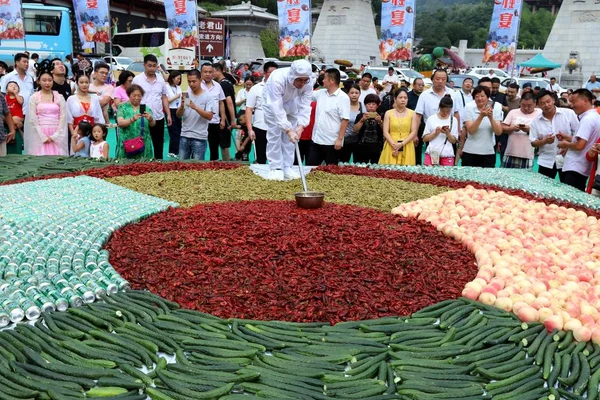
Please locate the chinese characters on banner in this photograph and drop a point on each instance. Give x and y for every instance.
(294, 27)
(11, 22)
(504, 32)
(397, 29)
(212, 37)
(181, 18)
(93, 21)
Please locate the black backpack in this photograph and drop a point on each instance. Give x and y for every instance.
(386, 104)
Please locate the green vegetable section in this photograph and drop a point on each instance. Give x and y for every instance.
(14, 167)
(188, 188)
(455, 349)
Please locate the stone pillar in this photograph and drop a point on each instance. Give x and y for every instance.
(346, 30)
(245, 42)
(573, 30)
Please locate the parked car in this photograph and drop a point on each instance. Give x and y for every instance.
(480, 72)
(343, 75)
(118, 63)
(137, 67)
(403, 74)
(255, 68)
(521, 81)
(410, 75)
(458, 80)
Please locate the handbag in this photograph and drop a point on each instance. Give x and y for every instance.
(135, 146)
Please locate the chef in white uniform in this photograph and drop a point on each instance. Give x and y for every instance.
(287, 98)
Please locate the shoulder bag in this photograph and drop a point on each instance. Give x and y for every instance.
(135, 146)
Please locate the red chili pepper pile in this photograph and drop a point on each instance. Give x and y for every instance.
(437, 181)
(271, 260)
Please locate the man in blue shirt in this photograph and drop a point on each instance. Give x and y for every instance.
(593, 86)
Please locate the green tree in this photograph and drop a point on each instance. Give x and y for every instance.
(269, 38)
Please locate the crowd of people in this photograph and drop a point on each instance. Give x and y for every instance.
(332, 121)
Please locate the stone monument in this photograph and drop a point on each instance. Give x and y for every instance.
(246, 21)
(577, 23)
(346, 30)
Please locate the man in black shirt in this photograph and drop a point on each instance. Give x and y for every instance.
(413, 98)
(59, 75)
(225, 137)
(498, 97)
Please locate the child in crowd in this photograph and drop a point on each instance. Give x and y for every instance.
(80, 142)
(99, 147)
(15, 104)
(245, 144)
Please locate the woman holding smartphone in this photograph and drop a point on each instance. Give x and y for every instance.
(368, 129)
(483, 121)
(399, 145)
(134, 121)
(441, 132)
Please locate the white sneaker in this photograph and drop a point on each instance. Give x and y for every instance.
(290, 173)
(275, 175)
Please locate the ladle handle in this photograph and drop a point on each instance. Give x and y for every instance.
(299, 157)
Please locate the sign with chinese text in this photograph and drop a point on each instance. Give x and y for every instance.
(397, 29)
(93, 21)
(182, 21)
(11, 21)
(504, 32)
(212, 37)
(294, 27)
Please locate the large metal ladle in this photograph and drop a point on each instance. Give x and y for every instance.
(307, 199)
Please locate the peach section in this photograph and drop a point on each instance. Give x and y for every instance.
(541, 262)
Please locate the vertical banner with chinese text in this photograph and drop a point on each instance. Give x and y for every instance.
(183, 23)
(294, 27)
(397, 29)
(504, 33)
(11, 21)
(93, 21)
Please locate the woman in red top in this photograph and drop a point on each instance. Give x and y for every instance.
(15, 104)
(306, 137)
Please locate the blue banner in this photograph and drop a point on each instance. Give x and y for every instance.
(294, 27)
(182, 19)
(504, 33)
(397, 29)
(11, 21)
(93, 21)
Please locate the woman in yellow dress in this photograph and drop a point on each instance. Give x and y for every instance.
(399, 147)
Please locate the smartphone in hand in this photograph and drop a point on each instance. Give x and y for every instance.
(142, 108)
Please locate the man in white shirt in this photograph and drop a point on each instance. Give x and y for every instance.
(544, 129)
(155, 97)
(20, 76)
(219, 119)
(461, 99)
(365, 87)
(31, 70)
(196, 111)
(577, 168)
(429, 102)
(389, 80)
(553, 86)
(331, 120)
(257, 128)
(287, 98)
(102, 89)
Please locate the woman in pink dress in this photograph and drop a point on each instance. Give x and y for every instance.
(45, 130)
